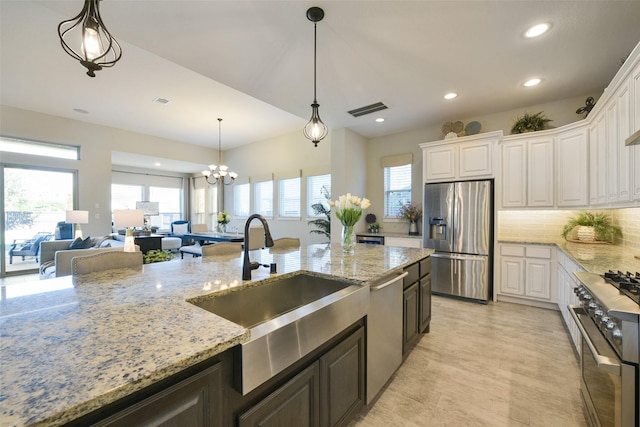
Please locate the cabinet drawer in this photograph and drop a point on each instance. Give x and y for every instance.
(538, 252)
(425, 266)
(512, 250)
(413, 276)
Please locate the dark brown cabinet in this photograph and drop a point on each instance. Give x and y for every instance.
(296, 403)
(417, 303)
(342, 387)
(327, 393)
(195, 402)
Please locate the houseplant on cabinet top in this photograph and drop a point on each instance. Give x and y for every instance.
(530, 123)
(591, 228)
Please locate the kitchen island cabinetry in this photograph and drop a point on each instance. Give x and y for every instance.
(525, 275)
(416, 303)
(469, 157)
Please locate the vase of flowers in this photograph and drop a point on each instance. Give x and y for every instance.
(413, 214)
(349, 209)
(223, 219)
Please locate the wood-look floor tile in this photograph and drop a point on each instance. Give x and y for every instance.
(499, 364)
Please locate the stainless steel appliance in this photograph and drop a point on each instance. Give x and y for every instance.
(608, 320)
(384, 333)
(458, 224)
(369, 239)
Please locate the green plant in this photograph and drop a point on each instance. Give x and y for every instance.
(157, 255)
(530, 123)
(601, 223)
(323, 224)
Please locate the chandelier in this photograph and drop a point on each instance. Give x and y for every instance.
(315, 130)
(217, 173)
(97, 48)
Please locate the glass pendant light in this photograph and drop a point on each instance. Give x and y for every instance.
(315, 130)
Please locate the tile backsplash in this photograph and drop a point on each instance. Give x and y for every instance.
(547, 225)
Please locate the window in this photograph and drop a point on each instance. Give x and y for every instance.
(289, 198)
(125, 196)
(263, 198)
(199, 203)
(213, 204)
(397, 189)
(241, 200)
(11, 145)
(169, 200)
(318, 191)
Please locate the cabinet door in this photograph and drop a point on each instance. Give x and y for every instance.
(439, 162)
(425, 303)
(634, 150)
(623, 113)
(514, 175)
(512, 275)
(405, 242)
(540, 172)
(342, 374)
(196, 401)
(410, 314)
(572, 154)
(475, 159)
(597, 160)
(538, 279)
(294, 404)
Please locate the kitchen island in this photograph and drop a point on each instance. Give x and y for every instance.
(72, 345)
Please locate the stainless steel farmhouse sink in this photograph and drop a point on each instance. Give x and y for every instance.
(288, 318)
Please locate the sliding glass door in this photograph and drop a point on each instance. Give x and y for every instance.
(35, 200)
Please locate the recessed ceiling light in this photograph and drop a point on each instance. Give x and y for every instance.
(157, 164)
(80, 110)
(161, 100)
(450, 95)
(537, 30)
(532, 82)
(380, 119)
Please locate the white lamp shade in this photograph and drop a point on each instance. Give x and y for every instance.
(128, 218)
(77, 217)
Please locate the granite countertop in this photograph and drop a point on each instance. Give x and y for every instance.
(594, 258)
(71, 345)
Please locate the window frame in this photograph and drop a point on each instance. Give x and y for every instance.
(282, 199)
(391, 216)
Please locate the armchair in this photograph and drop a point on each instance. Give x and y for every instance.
(179, 229)
(27, 248)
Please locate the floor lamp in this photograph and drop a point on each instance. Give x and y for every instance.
(129, 218)
(77, 218)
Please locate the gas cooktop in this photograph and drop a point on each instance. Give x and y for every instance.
(627, 283)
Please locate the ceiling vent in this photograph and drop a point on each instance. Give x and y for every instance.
(368, 109)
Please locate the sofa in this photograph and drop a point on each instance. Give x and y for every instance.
(55, 255)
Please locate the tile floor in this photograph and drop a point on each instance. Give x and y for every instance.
(496, 365)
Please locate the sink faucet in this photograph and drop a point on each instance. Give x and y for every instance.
(247, 265)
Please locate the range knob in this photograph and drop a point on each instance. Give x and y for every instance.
(578, 290)
(587, 297)
(598, 313)
(617, 335)
(605, 320)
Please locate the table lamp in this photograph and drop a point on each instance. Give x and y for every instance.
(129, 218)
(77, 218)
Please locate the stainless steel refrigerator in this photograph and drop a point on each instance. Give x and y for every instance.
(458, 224)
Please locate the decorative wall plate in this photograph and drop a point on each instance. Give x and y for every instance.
(473, 128)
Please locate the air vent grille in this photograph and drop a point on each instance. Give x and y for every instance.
(368, 109)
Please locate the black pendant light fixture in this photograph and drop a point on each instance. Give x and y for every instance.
(97, 47)
(220, 173)
(315, 130)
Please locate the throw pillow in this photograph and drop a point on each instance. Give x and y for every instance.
(180, 228)
(81, 244)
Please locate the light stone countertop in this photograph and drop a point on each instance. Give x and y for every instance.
(594, 258)
(69, 345)
(383, 234)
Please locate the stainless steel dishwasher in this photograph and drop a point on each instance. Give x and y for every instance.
(384, 332)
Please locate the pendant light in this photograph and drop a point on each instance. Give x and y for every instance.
(97, 48)
(315, 130)
(217, 173)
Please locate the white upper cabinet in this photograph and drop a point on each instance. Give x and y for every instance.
(634, 150)
(572, 154)
(469, 157)
(513, 158)
(597, 162)
(540, 172)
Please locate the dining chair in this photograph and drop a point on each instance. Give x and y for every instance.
(199, 228)
(286, 243)
(106, 261)
(223, 248)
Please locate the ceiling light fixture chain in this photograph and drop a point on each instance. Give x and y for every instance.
(220, 173)
(98, 48)
(315, 130)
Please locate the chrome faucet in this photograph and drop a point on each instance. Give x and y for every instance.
(247, 265)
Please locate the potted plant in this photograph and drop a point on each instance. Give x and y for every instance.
(323, 225)
(372, 225)
(412, 213)
(530, 123)
(591, 228)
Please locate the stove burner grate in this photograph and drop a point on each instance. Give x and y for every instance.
(628, 283)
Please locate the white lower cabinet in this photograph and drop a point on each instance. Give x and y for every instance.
(405, 242)
(525, 274)
(567, 282)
